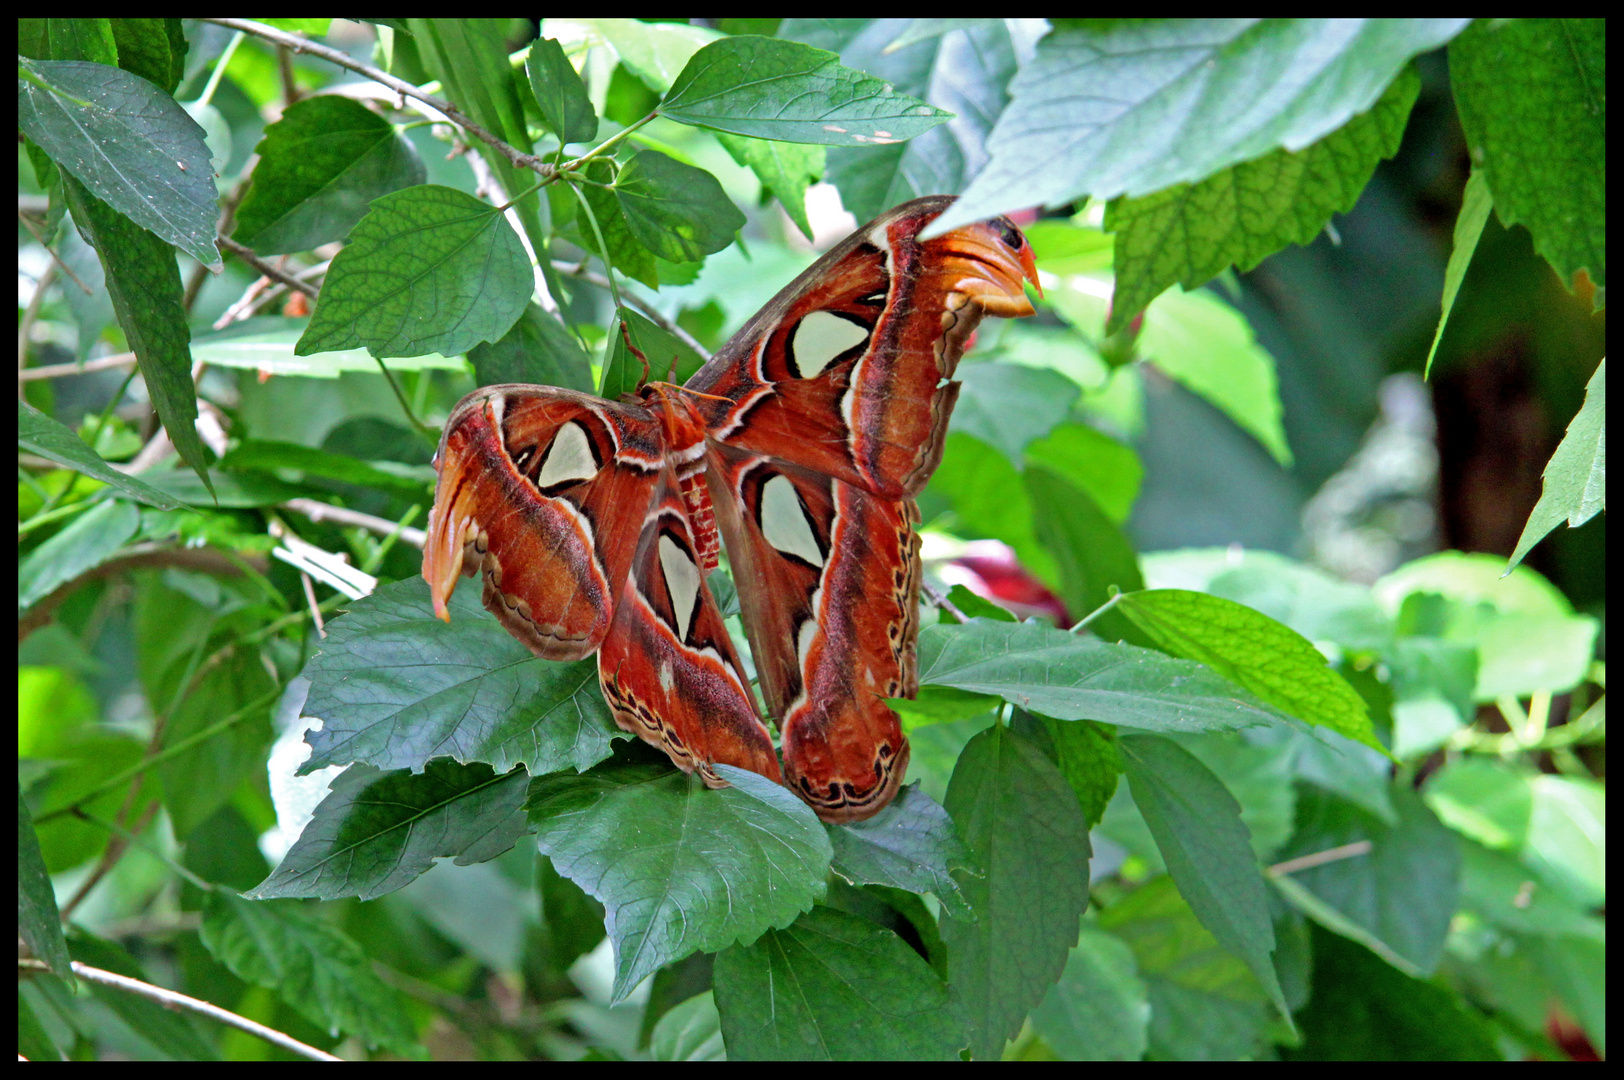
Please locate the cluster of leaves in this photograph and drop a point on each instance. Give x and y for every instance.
(1265, 878)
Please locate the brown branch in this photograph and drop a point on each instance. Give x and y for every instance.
(173, 1000)
(519, 159)
(266, 269)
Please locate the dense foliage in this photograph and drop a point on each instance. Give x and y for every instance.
(1311, 765)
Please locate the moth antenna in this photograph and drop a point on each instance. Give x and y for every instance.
(626, 336)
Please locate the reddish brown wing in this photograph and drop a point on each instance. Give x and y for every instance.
(544, 491)
(828, 583)
(846, 371)
(668, 666)
(835, 401)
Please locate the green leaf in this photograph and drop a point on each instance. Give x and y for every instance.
(1208, 852)
(320, 166)
(565, 108)
(1205, 1005)
(1272, 660)
(625, 252)
(911, 844)
(680, 868)
(968, 73)
(774, 89)
(538, 350)
(1094, 555)
(1532, 95)
(1361, 1009)
(1524, 630)
(1076, 126)
(1208, 346)
(84, 544)
(39, 922)
(266, 344)
(623, 372)
(676, 211)
(129, 144)
(312, 965)
(833, 987)
(690, 1031)
(1009, 406)
(378, 831)
(267, 456)
(429, 269)
(989, 499)
(153, 49)
(1108, 470)
(1475, 204)
(976, 607)
(654, 52)
(1398, 898)
(202, 778)
(1087, 755)
(1098, 1011)
(1576, 476)
(1074, 678)
(784, 169)
(143, 280)
(1027, 836)
(396, 687)
(1187, 234)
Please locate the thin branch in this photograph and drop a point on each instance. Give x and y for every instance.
(1320, 858)
(319, 511)
(265, 268)
(941, 601)
(569, 269)
(57, 371)
(173, 1000)
(519, 159)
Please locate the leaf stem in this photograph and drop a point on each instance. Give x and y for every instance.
(1097, 612)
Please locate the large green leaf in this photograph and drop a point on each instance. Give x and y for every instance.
(676, 211)
(680, 868)
(1071, 677)
(774, 89)
(624, 251)
(1009, 406)
(266, 343)
(320, 166)
(1094, 555)
(1098, 1011)
(911, 844)
(1208, 852)
(1270, 659)
(1205, 1005)
(395, 687)
(1361, 1009)
(967, 73)
(1475, 204)
(39, 921)
(1576, 476)
(429, 269)
(784, 169)
(1532, 95)
(668, 359)
(1396, 899)
(84, 544)
(311, 964)
(143, 280)
(1132, 106)
(833, 987)
(378, 831)
(128, 143)
(1029, 841)
(539, 349)
(565, 107)
(1188, 233)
